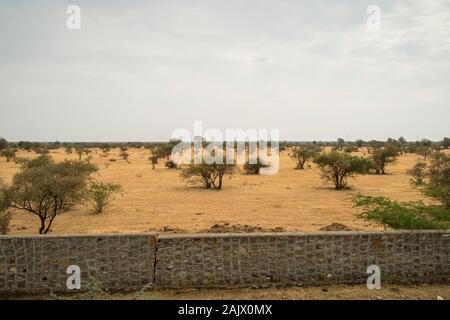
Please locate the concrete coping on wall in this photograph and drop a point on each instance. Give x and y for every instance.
(296, 234)
(445, 233)
(52, 236)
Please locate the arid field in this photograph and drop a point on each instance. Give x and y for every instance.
(160, 200)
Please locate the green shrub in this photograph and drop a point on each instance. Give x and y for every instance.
(437, 182)
(154, 160)
(337, 167)
(418, 173)
(402, 215)
(5, 218)
(254, 168)
(3, 144)
(381, 157)
(47, 189)
(445, 143)
(303, 154)
(424, 151)
(209, 175)
(100, 194)
(8, 154)
(124, 154)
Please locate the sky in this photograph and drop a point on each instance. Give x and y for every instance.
(139, 70)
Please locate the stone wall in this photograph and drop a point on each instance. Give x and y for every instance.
(130, 262)
(215, 260)
(39, 263)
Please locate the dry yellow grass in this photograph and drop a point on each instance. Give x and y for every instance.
(336, 292)
(296, 200)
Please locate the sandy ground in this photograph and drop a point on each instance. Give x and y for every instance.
(387, 292)
(295, 200)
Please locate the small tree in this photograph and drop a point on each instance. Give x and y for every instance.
(303, 154)
(100, 193)
(254, 168)
(436, 183)
(5, 219)
(402, 143)
(418, 173)
(359, 143)
(424, 151)
(340, 144)
(47, 189)
(41, 150)
(382, 157)
(163, 151)
(8, 154)
(154, 160)
(402, 215)
(3, 144)
(337, 167)
(105, 150)
(80, 150)
(445, 143)
(124, 154)
(5, 216)
(25, 145)
(209, 175)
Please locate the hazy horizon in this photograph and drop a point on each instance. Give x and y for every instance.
(138, 71)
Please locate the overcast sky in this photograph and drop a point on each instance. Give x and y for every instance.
(137, 70)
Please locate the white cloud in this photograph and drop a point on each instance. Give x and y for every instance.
(137, 71)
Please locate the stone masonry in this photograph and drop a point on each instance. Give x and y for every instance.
(36, 264)
(224, 260)
(39, 263)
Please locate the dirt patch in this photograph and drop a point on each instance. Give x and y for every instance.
(170, 230)
(335, 227)
(338, 292)
(238, 228)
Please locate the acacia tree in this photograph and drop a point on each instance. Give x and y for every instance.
(8, 154)
(79, 149)
(434, 179)
(340, 144)
(445, 143)
(418, 173)
(154, 160)
(5, 216)
(302, 155)
(382, 157)
(359, 143)
(100, 193)
(25, 145)
(209, 175)
(3, 144)
(337, 167)
(47, 189)
(124, 154)
(254, 168)
(424, 151)
(105, 150)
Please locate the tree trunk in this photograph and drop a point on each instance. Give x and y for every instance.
(42, 228)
